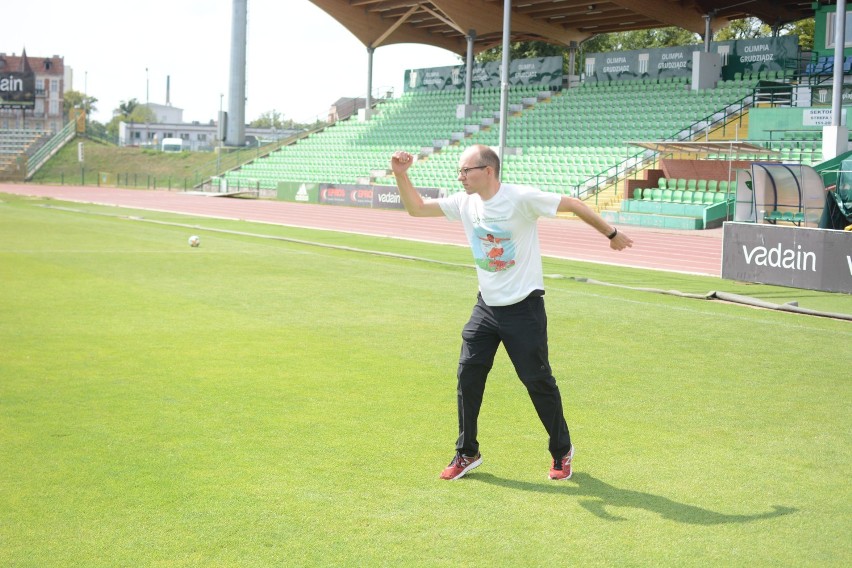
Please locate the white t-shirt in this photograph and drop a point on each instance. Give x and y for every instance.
(503, 235)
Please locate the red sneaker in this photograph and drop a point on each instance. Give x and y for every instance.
(562, 470)
(460, 465)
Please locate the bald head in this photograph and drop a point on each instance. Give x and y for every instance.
(485, 156)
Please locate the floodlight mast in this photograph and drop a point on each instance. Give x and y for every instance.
(236, 132)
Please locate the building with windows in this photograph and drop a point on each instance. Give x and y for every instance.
(44, 112)
(197, 137)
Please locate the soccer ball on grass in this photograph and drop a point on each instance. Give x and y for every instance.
(194, 241)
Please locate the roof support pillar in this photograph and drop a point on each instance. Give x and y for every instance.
(467, 109)
(468, 77)
(368, 105)
(504, 79)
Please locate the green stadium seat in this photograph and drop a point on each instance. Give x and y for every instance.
(719, 197)
(677, 196)
(773, 216)
(666, 195)
(709, 197)
(573, 132)
(712, 185)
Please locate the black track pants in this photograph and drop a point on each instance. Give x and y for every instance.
(522, 328)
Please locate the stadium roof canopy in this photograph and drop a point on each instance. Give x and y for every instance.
(446, 23)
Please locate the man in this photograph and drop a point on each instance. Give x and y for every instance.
(500, 221)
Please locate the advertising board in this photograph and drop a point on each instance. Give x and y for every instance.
(813, 259)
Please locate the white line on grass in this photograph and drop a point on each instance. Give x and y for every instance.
(713, 314)
(432, 261)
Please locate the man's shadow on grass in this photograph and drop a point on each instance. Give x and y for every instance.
(597, 496)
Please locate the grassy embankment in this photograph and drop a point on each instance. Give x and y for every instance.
(105, 164)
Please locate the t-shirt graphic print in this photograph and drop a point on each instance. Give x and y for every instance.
(496, 251)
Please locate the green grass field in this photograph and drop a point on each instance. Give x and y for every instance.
(263, 402)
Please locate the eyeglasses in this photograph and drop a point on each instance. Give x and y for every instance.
(464, 171)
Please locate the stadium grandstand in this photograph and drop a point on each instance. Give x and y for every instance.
(576, 141)
(612, 135)
(569, 138)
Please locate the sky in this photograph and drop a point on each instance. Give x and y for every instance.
(299, 60)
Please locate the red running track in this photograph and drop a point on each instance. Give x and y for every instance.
(693, 252)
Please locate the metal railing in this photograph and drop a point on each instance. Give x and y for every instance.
(43, 154)
(718, 123)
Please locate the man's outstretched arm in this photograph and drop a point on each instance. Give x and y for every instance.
(411, 199)
(619, 241)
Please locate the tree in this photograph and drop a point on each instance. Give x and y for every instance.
(272, 119)
(805, 30)
(747, 28)
(655, 38)
(96, 130)
(76, 99)
(275, 119)
(126, 108)
(130, 111)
